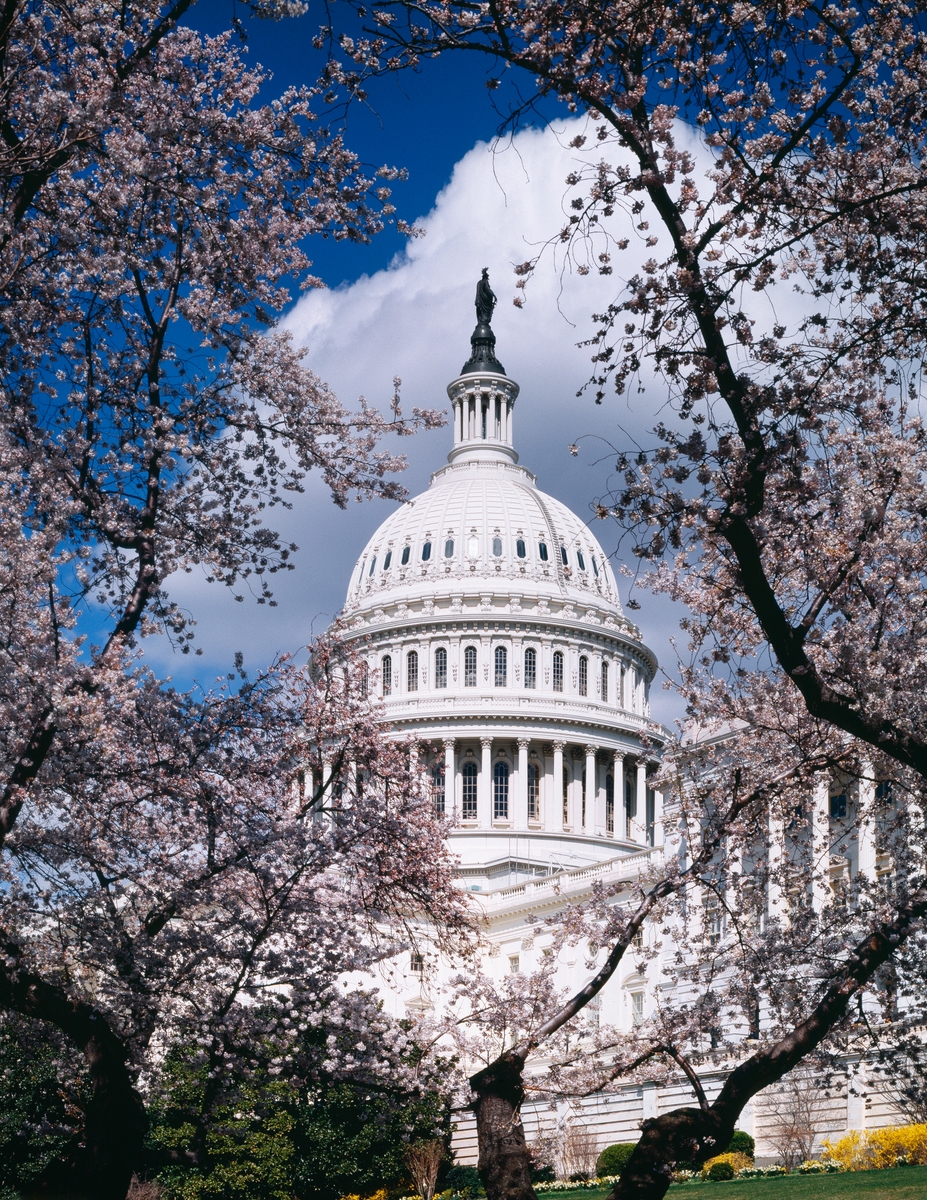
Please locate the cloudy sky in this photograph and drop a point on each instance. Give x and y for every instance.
(406, 309)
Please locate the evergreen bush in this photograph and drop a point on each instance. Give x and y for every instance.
(612, 1160)
(741, 1143)
(720, 1171)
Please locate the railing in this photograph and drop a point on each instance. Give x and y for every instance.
(628, 867)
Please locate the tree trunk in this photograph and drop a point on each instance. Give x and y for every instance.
(684, 1135)
(103, 1155)
(505, 1165)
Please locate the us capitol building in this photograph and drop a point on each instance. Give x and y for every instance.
(490, 621)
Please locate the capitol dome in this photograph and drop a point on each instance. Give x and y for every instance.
(489, 618)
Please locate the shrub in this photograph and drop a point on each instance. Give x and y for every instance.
(736, 1161)
(612, 1160)
(741, 1143)
(879, 1148)
(462, 1177)
(720, 1171)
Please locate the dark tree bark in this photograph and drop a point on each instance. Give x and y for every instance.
(99, 1161)
(504, 1165)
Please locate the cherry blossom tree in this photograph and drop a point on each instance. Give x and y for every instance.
(203, 866)
(782, 313)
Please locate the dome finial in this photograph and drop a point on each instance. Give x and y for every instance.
(483, 340)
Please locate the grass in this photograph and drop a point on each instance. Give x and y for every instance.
(899, 1183)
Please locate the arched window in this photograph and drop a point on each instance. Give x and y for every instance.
(387, 560)
(595, 567)
(364, 680)
(542, 551)
(500, 792)
(534, 793)
(473, 546)
(468, 777)
(449, 548)
(580, 560)
(502, 666)
(412, 671)
(470, 666)
(373, 566)
(437, 787)
(558, 671)
(583, 675)
(441, 668)
(605, 683)
(520, 549)
(563, 556)
(497, 547)
(566, 796)
(406, 551)
(531, 668)
(426, 552)
(609, 804)
(386, 674)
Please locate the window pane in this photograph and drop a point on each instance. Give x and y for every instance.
(449, 548)
(595, 567)
(583, 676)
(609, 804)
(563, 555)
(497, 546)
(531, 669)
(406, 551)
(502, 666)
(441, 668)
(386, 673)
(566, 796)
(468, 808)
(426, 552)
(838, 806)
(500, 793)
(473, 547)
(412, 671)
(580, 560)
(605, 682)
(387, 560)
(558, 672)
(373, 567)
(520, 548)
(534, 793)
(437, 788)
(542, 551)
(470, 667)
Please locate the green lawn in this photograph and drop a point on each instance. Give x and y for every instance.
(900, 1183)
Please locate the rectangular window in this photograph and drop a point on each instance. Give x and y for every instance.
(387, 675)
(502, 666)
(558, 671)
(609, 804)
(417, 963)
(605, 683)
(531, 669)
(566, 796)
(441, 668)
(468, 807)
(583, 676)
(412, 671)
(838, 806)
(470, 666)
(437, 788)
(514, 964)
(534, 793)
(637, 1008)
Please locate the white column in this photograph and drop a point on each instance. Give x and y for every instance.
(556, 816)
(865, 824)
(450, 777)
(618, 772)
(658, 835)
(521, 786)
(484, 801)
(820, 843)
(590, 823)
(640, 819)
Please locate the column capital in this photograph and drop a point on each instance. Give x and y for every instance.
(524, 743)
(450, 743)
(558, 747)
(590, 749)
(486, 743)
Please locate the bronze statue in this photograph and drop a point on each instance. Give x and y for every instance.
(485, 299)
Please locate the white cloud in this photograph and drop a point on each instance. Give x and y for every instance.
(414, 320)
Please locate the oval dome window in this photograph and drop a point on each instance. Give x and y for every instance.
(497, 547)
(520, 548)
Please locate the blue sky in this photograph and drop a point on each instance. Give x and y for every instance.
(406, 308)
